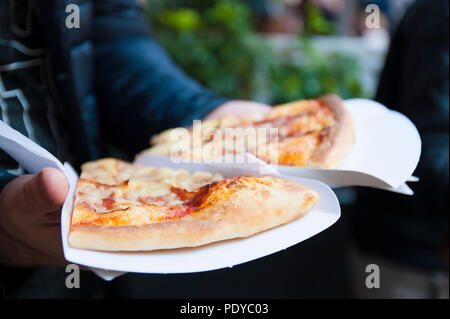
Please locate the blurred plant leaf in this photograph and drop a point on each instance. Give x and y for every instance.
(216, 43)
(180, 19)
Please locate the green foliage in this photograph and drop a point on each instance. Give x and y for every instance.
(216, 43)
(317, 73)
(315, 23)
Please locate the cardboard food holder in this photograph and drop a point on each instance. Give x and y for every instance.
(385, 154)
(219, 254)
(109, 265)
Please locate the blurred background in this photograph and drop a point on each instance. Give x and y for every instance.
(274, 51)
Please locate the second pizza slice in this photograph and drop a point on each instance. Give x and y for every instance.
(315, 133)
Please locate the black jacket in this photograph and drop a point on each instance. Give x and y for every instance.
(108, 85)
(112, 84)
(415, 81)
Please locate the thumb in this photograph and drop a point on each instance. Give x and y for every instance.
(43, 192)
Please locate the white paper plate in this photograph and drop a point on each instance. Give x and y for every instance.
(109, 265)
(216, 255)
(385, 155)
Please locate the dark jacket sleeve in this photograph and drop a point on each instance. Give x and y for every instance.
(415, 81)
(415, 78)
(140, 90)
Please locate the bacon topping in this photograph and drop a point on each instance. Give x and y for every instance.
(283, 120)
(182, 193)
(177, 212)
(194, 198)
(108, 202)
(200, 195)
(192, 202)
(297, 134)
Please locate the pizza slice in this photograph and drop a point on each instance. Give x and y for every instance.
(120, 206)
(310, 133)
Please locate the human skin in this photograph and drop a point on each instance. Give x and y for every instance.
(30, 219)
(237, 108)
(30, 205)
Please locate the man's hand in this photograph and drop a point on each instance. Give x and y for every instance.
(237, 108)
(30, 219)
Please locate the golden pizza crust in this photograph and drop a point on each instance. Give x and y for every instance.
(340, 139)
(334, 143)
(230, 212)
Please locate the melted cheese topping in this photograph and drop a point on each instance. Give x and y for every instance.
(109, 205)
(109, 188)
(299, 126)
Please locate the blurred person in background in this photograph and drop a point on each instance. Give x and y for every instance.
(407, 237)
(82, 93)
